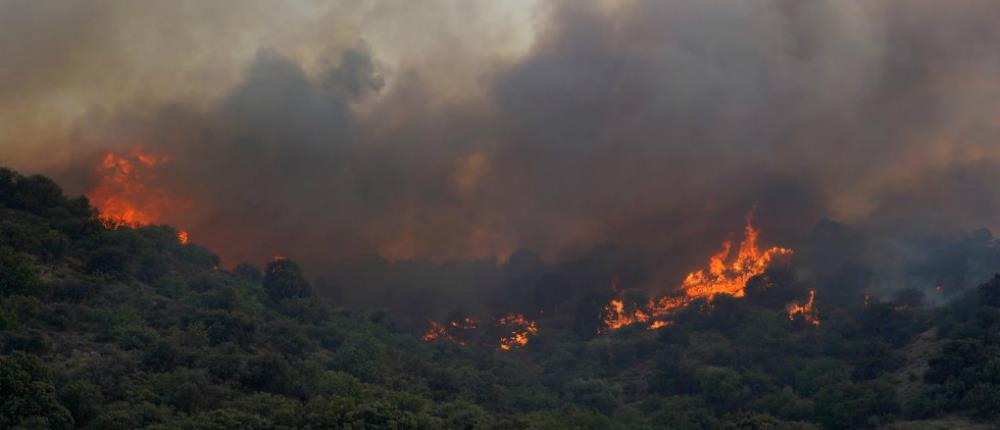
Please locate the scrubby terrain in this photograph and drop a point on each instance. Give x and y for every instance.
(112, 327)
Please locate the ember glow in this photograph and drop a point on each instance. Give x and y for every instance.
(658, 324)
(456, 331)
(517, 330)
(806, 312)
(436, 332)
(514, 330)
(466, 323)
(128, 193)
(725, 274)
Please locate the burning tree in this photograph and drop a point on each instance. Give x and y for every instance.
(725, 274)
(806, 312)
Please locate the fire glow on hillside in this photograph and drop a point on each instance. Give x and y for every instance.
(517, 331)
(513, 330)
(127, 193)
(806, 312)
(722, 276)
(725, 274)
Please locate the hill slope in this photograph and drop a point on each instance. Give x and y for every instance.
(107, 327)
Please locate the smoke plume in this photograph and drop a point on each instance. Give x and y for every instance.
(454, 131)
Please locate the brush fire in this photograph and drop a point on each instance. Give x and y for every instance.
(806, 312)
(437, 331)
(512, 331)
(127, 193)
(517, 330)
(725, 274)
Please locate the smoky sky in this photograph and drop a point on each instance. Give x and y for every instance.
(653, 125)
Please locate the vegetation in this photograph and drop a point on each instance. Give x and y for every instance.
(110, 327)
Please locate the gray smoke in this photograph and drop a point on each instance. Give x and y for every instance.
(654, 125)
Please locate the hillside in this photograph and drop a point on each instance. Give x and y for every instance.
(114, 327)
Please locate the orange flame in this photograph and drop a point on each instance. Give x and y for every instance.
(731, 278)
(127, 193)
(448, 331)
(722, 276)
(658, 324)
(182, 237)
(515, 329)
(615, 316)
(438, 332)
(520, 330)
(807, 311)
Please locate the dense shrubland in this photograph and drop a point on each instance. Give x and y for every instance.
(122, 328)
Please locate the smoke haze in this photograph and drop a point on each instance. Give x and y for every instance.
(459, 130)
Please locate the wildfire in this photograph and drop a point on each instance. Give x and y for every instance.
(615, 316)
(731, 278)
(807, 311)
(465, 323)
(438, 332)
(128, 194)
(456, 331)
(724, 275)
(519, 329)
(658, 324)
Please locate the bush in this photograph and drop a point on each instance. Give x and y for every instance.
(27, 397)
(16, 274)
(283, 280)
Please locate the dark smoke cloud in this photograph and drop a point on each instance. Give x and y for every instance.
(654, 125)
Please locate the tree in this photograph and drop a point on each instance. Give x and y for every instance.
(16, 275)
(27, 397)
(989, 293)
(283, 280)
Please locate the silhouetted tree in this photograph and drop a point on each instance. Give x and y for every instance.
(283, 280)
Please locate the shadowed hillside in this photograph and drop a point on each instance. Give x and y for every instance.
(113, 327)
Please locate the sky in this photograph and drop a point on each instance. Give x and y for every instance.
(465, 129)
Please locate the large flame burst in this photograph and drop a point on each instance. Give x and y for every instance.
(128, 193)
(723, 275)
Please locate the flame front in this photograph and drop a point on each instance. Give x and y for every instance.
(721, 276)
(807, 311)
(519, 329)
(128, 193)
(731, 278)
